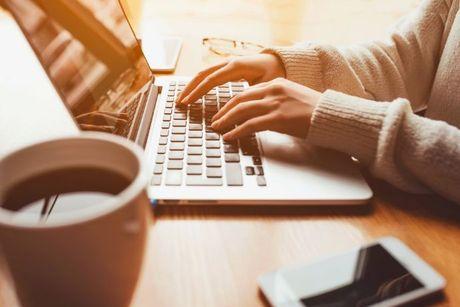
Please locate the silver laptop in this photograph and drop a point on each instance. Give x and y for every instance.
(96, 64)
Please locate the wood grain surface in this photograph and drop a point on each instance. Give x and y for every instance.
(212, 256)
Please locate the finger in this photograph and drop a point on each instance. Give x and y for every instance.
(220, 76)
(251, 126)
(197, 80)
(241, 113)
(249, 94)
(88, 127)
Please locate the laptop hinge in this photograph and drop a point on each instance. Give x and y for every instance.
(144, 127)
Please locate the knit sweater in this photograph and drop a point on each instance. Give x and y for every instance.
(371, 91)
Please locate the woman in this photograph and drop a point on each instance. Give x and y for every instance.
(360, 100)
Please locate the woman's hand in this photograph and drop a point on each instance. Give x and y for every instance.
(101, 121)
(254, 69)
(279, 105)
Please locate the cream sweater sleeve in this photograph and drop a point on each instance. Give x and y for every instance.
(414, 153)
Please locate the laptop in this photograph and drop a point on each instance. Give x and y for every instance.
(91, 55)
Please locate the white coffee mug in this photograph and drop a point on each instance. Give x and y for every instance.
(88, 256)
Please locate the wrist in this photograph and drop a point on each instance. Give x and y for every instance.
(275, 64)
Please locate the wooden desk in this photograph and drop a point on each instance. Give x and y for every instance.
(200, 256)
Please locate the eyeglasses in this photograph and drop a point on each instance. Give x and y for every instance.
(229, 47)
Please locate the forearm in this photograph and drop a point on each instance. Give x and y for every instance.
(402, 65)
(413, 153)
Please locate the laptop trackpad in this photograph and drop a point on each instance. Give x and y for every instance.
(300, 159)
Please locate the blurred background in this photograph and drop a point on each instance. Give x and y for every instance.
(265, 22)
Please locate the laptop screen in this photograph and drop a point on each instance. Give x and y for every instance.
(88, 50)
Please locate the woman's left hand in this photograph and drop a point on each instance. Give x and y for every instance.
(278, 105)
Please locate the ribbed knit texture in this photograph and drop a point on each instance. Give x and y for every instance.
(302, 65)
(347, 124)
(371, 89)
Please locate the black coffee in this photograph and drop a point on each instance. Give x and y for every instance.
(73, 187)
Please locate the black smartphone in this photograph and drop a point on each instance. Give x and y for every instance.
(383, 273)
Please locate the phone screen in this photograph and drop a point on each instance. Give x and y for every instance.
(364, 277)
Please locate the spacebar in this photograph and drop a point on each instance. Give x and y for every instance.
(194, 180)
(233, 173)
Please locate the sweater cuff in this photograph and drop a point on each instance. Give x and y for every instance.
(348, 124)
(302, 65)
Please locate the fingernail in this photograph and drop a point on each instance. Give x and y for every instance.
(227, 137)
(214, 125)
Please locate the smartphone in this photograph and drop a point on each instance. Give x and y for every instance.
(161, 53)
(383, 273)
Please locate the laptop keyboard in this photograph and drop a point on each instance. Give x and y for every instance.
(190, 153)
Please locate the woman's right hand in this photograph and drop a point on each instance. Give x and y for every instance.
(254, 69)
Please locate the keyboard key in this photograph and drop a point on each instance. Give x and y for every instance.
(259, 170)
(210, 103)
(179, 116)
(194, 160)
(196, 106)
(194, 151)
(156, 180)
(214, 172)
(198, 180)
(169, 105)
(194, 170)
(233, 174)
(230, 148)
(195, 134)
(224, 95)
(210, 109)
(160, 159)
(177, 138)
(173, 177)
(178, 130)
(168, 112)
(212, 153)
(165, 125)
(250, 170)
(195, 127)
(195, 120)
(164, 132)
(212, 144)
(163, 141)
(158, 169)
(161, 149)
(213, 162)
(210, 97)
(167, 118)
(238, 85)
(175, 164)
(177, 146)
(261, 181)
(212, 136)
(195, 142)
(176, 155)
(256, 161)
(179, 123)
(232, 157)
